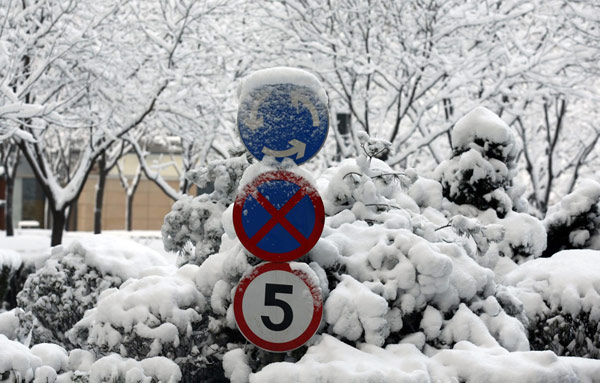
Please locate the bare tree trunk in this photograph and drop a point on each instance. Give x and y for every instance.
(58, 226)
(10, 187)
(99, 194)
(11, 163)
(129, 201)
(128, 212)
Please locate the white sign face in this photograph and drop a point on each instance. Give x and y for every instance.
(276, 308)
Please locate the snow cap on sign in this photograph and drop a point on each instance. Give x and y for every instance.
(269, 164)
(281, 75)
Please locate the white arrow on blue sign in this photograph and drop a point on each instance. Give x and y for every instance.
(283, 121)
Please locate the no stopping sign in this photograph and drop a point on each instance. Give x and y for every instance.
(277, 308)
(279, 216)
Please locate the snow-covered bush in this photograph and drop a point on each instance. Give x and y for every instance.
(155, 316)
(332, 360)
(393, 277)
(388, 275)
(483, 163)
(193, 227)
(561, 297)
(114, 368)
(574, 222)
(56, 296)
(50, 363)
(10, 264)
(17, 363)
(482, 201)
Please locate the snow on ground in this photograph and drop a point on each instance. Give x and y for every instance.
(33, 244)
(332, 360)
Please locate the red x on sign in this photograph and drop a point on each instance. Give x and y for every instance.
(279, 216)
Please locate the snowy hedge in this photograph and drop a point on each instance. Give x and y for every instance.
(56, 296)
(148, 317)
(574, 222)
(49, 363)
(193, 228)
(561, 298)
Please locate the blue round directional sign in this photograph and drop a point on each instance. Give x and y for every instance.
(283, 121)
(279, 216)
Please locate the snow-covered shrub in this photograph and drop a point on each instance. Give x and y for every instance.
(331, 360)
(193, 227)
(523, 237)
(561, 297)
(56, 296)
(392, 275)
(574, 222)
(389, 275)
(17, 362)
(10, 265)
(155, 316)
(114, 368)
(481, 200)
(483, 163)
(50, 363)
(386, 273)
(40, 364)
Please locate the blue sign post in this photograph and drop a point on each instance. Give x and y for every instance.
(283, 121)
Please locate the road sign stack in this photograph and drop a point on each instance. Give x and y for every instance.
(279, 216)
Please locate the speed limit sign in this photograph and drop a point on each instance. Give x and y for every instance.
(278, 308)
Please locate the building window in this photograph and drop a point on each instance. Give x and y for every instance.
(33, 201)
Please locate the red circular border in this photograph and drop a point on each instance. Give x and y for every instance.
(252, 187)
(255, 339)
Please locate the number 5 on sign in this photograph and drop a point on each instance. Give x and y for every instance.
(277, 308)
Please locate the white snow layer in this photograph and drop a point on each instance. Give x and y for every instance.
(52, 355)
(586, 194)
(332, 360)
(115, 256)
(114, 368)
(48, 363)
(568, 280)
(281, 75)
(10, 259)
(17, 360)
(9, 322)
(481, 123)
